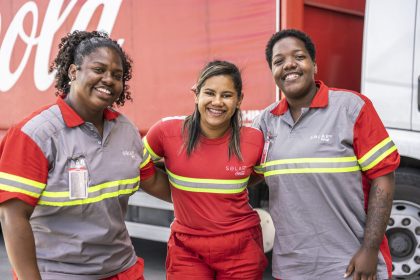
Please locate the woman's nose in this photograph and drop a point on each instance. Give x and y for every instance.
(217, 100)
(289, 64)
(107, 78)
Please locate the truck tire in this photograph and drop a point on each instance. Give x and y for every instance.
(403, 230)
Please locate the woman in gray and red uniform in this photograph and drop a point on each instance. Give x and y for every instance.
(67, 171)
(209, 157)
(330, 172)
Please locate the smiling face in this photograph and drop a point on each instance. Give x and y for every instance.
(97, 82)
(293, 69)
(217, 102)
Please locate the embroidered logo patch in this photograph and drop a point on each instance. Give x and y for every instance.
(127, 153)
(238, 170)
(321, 137)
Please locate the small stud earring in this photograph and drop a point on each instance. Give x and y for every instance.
(71, 80)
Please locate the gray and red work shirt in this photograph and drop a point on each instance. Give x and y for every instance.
(319, 170)
(76, 238)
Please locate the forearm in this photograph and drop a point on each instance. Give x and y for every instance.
(379, 209)
(20, 244)
(255, 180)
(158, 186)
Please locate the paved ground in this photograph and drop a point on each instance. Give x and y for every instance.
(5, 271)
(153, 253)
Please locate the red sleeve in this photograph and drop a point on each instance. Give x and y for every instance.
(375, 151)
(258, 169)
(147, 171)
(260, 142)
(153, 141)
(23, 168)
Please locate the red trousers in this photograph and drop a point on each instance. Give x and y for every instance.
(234, 256)
(135, 272)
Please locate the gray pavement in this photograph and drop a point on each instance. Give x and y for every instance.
(5, 270)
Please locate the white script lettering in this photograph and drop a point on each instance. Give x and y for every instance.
(53, 20)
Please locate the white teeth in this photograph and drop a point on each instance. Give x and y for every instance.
(104, 90)
(291, 77)
(215, 111)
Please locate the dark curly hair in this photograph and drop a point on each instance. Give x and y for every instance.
(307, 41)
(191, 128)
(78, 44)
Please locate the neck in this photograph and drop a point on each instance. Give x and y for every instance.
(297, 104)
(214, 133)
(88, 115)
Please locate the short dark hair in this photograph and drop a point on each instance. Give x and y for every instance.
(309, 45)
(78, 44)
(192, 130)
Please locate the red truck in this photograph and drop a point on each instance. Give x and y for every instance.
(169, 41)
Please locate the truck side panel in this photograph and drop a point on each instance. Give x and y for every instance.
(169, 42)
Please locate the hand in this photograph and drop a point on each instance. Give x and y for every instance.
(363, 265)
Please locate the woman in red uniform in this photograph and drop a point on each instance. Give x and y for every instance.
(209, 157)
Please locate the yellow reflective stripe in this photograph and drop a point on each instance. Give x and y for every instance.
(22, 180)
(374, 150)
(381, 157)
(307, 160)
(259, 169)
(191, 189)
(211, 181)
(95, 188)
(88, 200)
(144, 163)
(18, 190)
(312, 170)
(149, 149)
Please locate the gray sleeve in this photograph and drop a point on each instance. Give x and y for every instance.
(256, 123)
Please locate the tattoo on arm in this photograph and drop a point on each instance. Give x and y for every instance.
(379, 209)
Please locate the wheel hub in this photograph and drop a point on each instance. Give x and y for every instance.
(400, 243)
(403, 235)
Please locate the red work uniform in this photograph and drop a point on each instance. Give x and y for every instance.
(216, 233)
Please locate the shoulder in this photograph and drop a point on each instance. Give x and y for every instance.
(269, 108)
(267, 113)
(350, 100)
(170, 125)
(344, 96)
(265, 116)
(251, 135)
(250, 132)
(124, 120)
(175, 121)
(43, 123)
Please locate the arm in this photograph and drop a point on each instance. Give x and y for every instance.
(255, 180)
(158, 185)
(19, 238)
(364, 262)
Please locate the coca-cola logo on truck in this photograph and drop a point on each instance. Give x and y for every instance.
(41, 42)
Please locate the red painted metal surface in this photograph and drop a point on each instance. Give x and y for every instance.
(336, 27)
(291, 14)
(169, 41)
